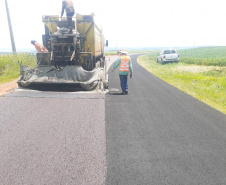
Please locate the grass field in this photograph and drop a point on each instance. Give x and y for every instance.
(9, 67)
(204, 82)
(210, 56)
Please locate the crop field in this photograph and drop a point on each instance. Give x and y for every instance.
(201, 73)
(209, 56)
(9, 67)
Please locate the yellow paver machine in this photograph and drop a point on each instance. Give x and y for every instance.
(72, 58)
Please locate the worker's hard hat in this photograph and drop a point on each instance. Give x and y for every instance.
(124, 52)
(33, 41)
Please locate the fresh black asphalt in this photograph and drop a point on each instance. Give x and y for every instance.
(155, 135)
(52, 138)
(160, 135)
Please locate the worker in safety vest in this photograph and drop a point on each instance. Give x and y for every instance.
(70, 11)
(39, 47)
(125, 66)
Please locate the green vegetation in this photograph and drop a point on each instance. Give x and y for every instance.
(204, 82)
(209, 56)
(9, 67)
(107, 53)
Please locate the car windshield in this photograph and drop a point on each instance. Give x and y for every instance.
(173, 51)
(169, 51)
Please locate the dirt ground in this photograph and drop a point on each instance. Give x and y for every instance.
(8, 87)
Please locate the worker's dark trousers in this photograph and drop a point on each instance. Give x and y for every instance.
(69, 19)
(124, 82)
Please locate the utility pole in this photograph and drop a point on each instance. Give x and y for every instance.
(10, 28)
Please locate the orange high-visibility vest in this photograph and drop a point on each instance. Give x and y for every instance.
(124, 65)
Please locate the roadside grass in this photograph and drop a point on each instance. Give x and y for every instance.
(206, 83)
(9, 67)
(107, 53)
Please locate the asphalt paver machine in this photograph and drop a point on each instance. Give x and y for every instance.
(72, 58)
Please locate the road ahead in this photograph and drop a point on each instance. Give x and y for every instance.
(160, 135)
(155, 135)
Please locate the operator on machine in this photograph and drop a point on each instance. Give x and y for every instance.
(39, 47)
(70, 11)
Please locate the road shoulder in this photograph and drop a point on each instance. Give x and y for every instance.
(8, 87)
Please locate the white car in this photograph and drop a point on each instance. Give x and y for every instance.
(168, 55)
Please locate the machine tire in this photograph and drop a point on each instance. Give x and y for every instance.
(91, 66)
(88, 65)
(85, 66)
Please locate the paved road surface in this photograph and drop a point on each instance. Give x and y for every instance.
(155, 135)
(159, 135)
(52, 138)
